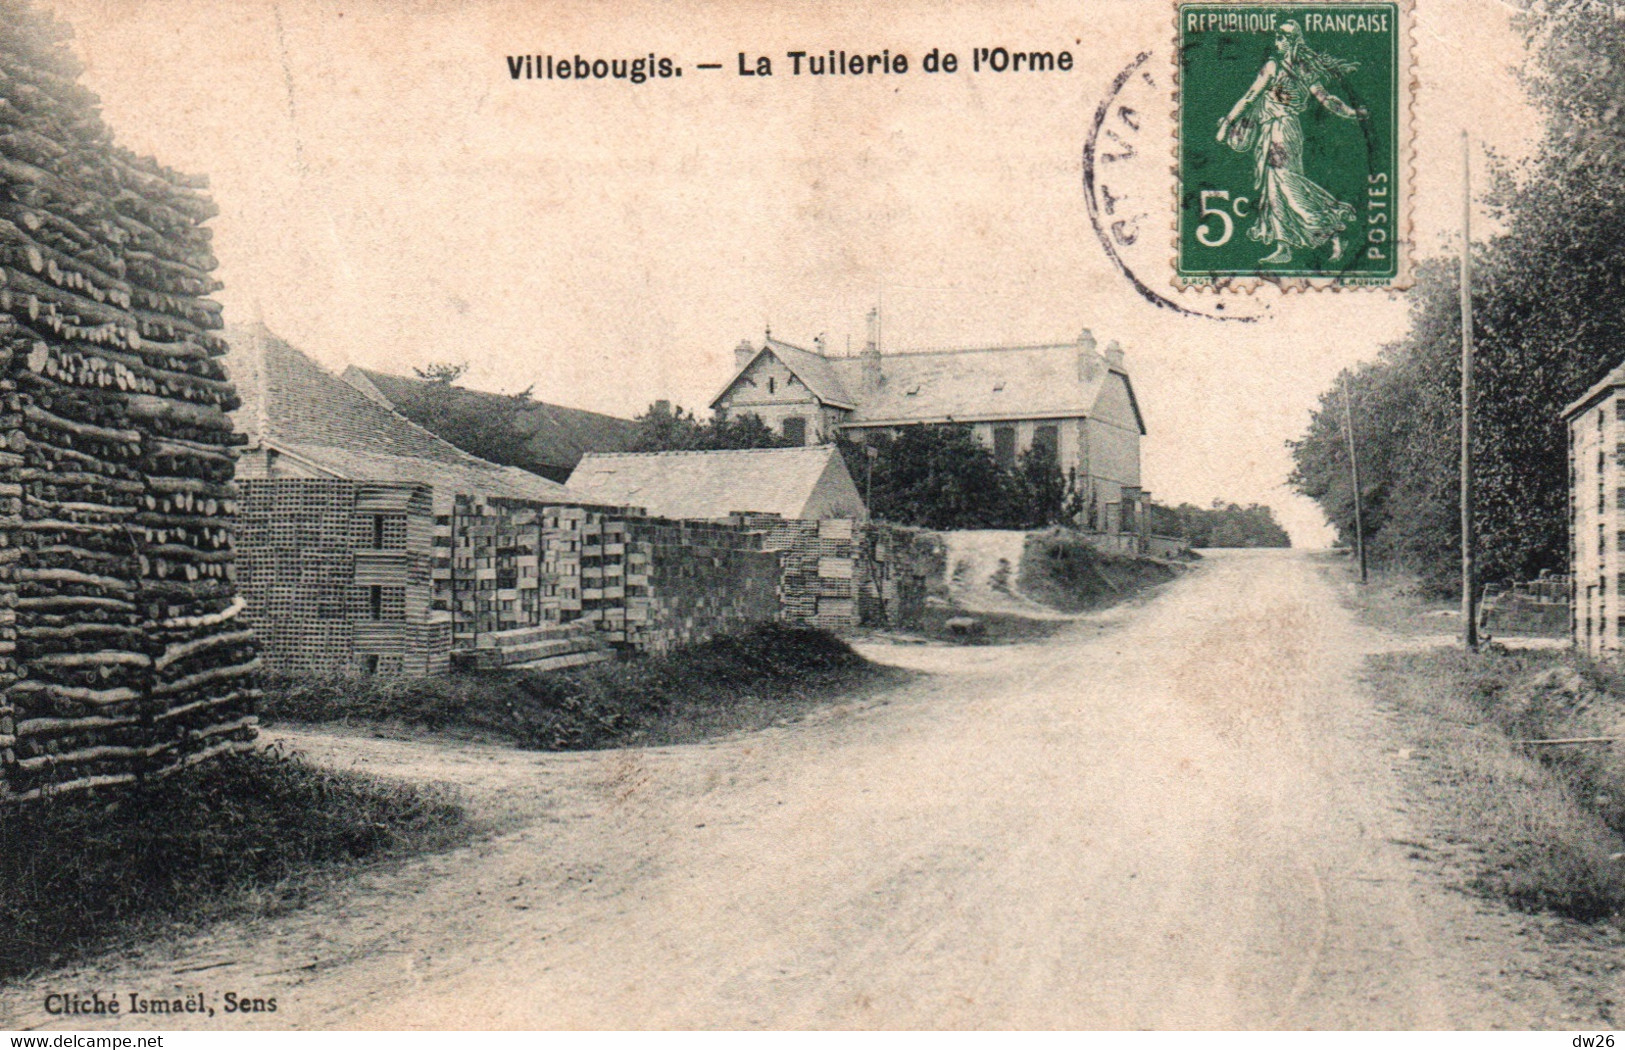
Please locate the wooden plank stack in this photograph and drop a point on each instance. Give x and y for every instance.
(122, 653)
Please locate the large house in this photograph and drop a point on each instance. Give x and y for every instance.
(1076, 401)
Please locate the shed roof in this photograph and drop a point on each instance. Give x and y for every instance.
(708, 485)
(291, 403)
(546, 438)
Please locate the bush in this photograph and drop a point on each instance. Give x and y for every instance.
(772, 666)
(84, 872)
(1066, 572)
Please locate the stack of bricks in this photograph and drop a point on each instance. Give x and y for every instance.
(497, 580)
(690, 581)
(337, 576)
(603, 575)
(123, 656)
(643, 583)
(823, 575)
(297, 569)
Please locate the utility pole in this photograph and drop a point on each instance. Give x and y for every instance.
(1354, 477)
(1469, 567)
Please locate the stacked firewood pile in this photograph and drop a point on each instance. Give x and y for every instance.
(120, 651)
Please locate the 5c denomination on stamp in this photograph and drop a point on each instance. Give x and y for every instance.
(1292, 144)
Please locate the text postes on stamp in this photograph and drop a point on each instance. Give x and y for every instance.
(1291, 152)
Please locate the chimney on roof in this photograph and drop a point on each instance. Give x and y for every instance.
(1089, 362)
(871, 355)
(743, 353)
(1114, 355)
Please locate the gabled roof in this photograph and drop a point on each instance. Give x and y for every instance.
(544, 438)
(816, 371)
(709, 485)
(1006, 382)
(1612, 381)
(291, 403)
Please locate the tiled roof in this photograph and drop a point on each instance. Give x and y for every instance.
(706, 485)
(1017, 382)
(291, 402)
(488, 479)
(551, 438)
(815, 370)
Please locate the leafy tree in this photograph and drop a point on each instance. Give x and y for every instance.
(1037, 490)
(941, 477)
(1221, 525)
(1549, 308)
(442, 372)
(664, 428)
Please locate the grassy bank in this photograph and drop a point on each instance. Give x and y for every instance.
(1068, 574)
(747, 681)
(1541, 827)
(249, 834)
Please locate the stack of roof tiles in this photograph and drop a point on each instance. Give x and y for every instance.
(123, 657)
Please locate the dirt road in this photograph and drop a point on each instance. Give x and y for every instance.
(1183, 814)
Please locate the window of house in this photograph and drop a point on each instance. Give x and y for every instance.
(795, 430)
(1004, 446)
(1048, 437)
(772, 384)
(375, 602)
(377, 532)
(369, 663)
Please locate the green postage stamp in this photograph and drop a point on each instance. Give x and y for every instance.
(1293, 144)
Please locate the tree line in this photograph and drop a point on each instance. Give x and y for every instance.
(1549, 310)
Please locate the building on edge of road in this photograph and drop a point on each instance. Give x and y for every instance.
(1597, 516)
(1076, 400)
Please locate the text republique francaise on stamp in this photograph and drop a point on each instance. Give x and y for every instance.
(1292, 144)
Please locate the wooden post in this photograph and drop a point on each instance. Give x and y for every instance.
(1354, 477)
(1469, 567)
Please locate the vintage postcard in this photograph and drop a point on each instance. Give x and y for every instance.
(750, 515)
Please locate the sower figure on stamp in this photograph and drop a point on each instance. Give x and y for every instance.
(1293, 211)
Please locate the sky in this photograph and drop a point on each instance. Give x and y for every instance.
(390, 197)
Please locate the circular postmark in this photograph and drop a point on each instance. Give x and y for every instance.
(1125, 182)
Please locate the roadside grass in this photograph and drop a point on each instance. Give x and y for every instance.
(1393, 601)
(247, 835)
(770, 674)
(1541, 830)
(1070, 575)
